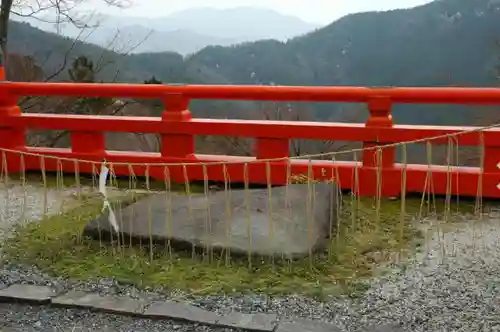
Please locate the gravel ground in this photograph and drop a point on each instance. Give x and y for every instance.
(15, 317)
(19, 203)
(452, 285)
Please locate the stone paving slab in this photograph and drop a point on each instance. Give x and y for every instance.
(250, 322)
(304, 325)
(167, 310)
(384, 328)
(113, 304)
(28, 293)
(181, 311)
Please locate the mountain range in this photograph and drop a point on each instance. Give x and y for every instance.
(443, 43)
(184, 32)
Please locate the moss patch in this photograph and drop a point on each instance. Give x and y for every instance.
(364, 240)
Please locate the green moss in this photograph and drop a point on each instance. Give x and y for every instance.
(364, 241)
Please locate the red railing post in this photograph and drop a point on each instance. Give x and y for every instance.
(175, 145)
(378, 161)
(272, 148)
(491, 165)
(11, 138)
(90, 144)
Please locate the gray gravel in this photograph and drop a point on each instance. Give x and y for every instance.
(19, 203)
(452, 285)
(15, 317)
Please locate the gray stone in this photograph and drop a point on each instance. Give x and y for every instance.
(383, 328)
(29, 293)
(250, 322)
(181, 311)
(296, 228)
(115, 304)
(303, 325)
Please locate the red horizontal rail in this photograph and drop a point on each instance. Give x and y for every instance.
(451, 95)
(464, 180)
(249, 128)
(177, 130)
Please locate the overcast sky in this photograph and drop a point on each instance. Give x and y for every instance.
(317, 11)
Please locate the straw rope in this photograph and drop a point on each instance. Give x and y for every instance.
(358, 229)
(306, 156)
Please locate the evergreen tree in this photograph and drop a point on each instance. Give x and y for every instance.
(82, 70)
(153, 80)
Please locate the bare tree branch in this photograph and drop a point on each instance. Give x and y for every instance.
(53, 140)
(101, 64)
(54, 11)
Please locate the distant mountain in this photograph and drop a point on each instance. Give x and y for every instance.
(188, 31)
(140, 39)
(241, 23)
(443, 43)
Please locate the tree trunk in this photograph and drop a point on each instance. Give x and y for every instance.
(5, 7)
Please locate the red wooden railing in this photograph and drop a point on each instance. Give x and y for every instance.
(177, 129)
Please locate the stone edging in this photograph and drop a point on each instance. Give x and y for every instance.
(259, 322)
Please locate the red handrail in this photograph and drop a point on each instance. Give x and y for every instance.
(445, 95)
(177, 130)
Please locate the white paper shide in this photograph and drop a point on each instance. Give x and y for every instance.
(103, 176)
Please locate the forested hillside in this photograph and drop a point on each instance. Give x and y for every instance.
(446, 42)
(432, 44)
(186, 31)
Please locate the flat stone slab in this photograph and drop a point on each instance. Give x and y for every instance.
(304, 325)
(290, 221)
(384, 328)
(114, 304)
(250, 322)
(181, 311)
(28, 293)
(258, 322)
